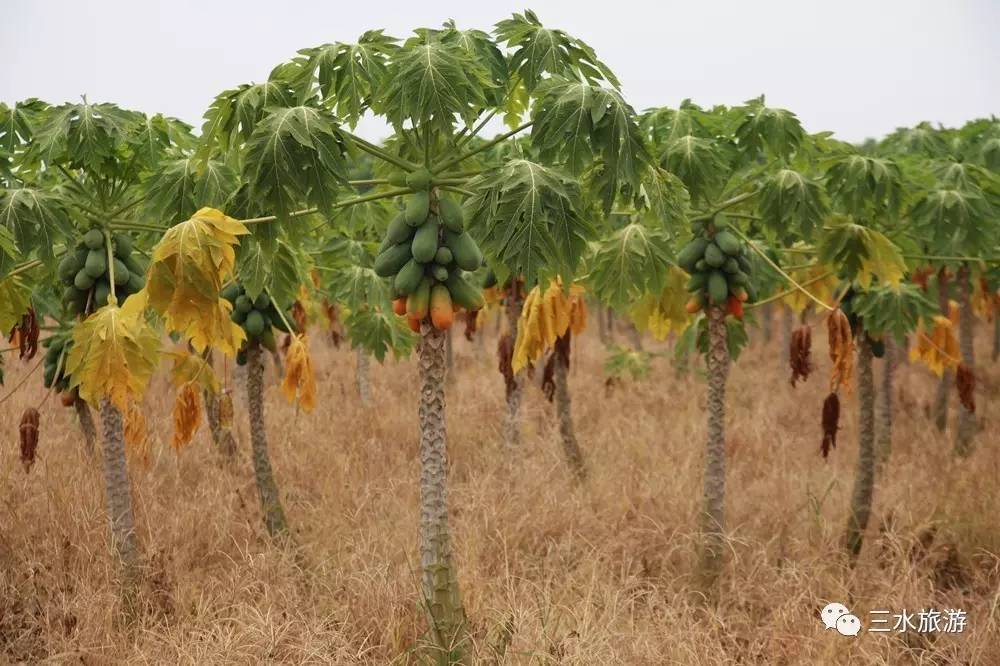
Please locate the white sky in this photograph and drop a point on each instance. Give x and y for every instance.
(857, 67)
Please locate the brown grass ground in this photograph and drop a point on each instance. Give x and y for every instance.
(600, 574)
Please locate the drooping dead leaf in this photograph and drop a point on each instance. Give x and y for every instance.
(226, 410)
(471, 318)
(299, 379)
(841, 342)
(545, 317)
(136, 437)
(505, 352)
(939, 350)
(190, 264)
(965, 381)
(831, 423)
(187, 415)
(663, 314)
(29, 437)
(799, 354)
(24, 335)
(191, 368)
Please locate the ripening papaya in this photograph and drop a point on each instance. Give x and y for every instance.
(741, 294)
(695, 304)
(94, 239)
(734, 306)
(408, 278)
(419, 301)
(727, 242)
(451, 215)
(691, 253)
(413, 323)
(390, 261)
(714, 256)
(399, 305)
(425, 241)
(463, 293)
(442, 313)
(467, 254)
(417, 207)
(718, 288)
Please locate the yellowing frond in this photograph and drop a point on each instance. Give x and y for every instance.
(659, 315)
(939, 350)
(190, 264)
(15, 298)
(545, 317)
(136, 438)
(187, 415)
(191, 368)
(299, 378)
(841, 344)
(823, 289)
(114, 354)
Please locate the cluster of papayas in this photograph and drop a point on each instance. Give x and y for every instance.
(720, 269)
(257, 316)
(54, 372)
(425, 252)
(85, 272)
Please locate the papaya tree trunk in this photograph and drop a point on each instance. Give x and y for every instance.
(712, 518)
(449, 354)
(363, 375)
(966, 430)
(602, 327)
(86, 425)
(883, 447)
(279, 365)
(766, 314)
(567, 434)
(635, 337)
(864, 476)
(512, 416)
(270, 500)
(610, 323)
(118, 491)
(944, 384)
(222, 437)
(439, 580)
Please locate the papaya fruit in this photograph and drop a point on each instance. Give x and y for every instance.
(121, 272)
(694, 304)
(714, 256)
(451, 215)
(408, 278)
(442, 314)
(414, 324)
(741, 294)
(75, 299)
(230, 292)
(739, 279)
(398, 231)
(135, 263)
(241, 357)
(697, 282)
(243, 304)
(734, 306)
(122, 245)
(691, 253)
(744, 261)
(399, 306)
(490, 279)
(425, 241)
(94, 239)
(267, 339)
(731, 266)
(751, 293)
(700, 265)
(68, 267)
(419, 179)
(466, 253)
(101, 292)
(718, 288)
(727, 242)
(262, 302)
(443, 257)
(389, 262)
(464, 294)
(418, 303)
(96, 264)
(417, 207)
(254, 324)
(136, 282)
(83, 280)
(440, 273)
(397, 179)
(49, 375)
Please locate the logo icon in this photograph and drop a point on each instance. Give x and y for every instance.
(837, 616)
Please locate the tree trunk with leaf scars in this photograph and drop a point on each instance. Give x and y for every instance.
(864, 476)
(610, 323)
(966, 430)
(222, 437)
(270, 499)
(118, 489)
(713, 511)
(883, 447)
(362, 373)
(439, 580)
(512, 417)
(86, 425)
(635, 337)
(450, 355)
(567, 434)
(944, 384)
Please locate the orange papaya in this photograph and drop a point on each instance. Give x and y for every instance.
(442, 314)
(399, 306)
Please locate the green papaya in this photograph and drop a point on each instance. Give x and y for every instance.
(751, 292)
(697, 282)
(440, 273)
(425, 241)
(52, 354)
(397, 179)
(254, 324)
(83, 280)
(238, 316)
(464, 250)
(739, 279)
(878, 347)
(96, 264)
(464, 294)
(389, 262)
(75, 299)
(136, 282)
(68, 267)
(731, 266)
(50, 374)
(417, 207)
(121, 272)
(101, 292)
(451, 214)
(135, 264)
(267, 339)
(700, 265)
(744, 262)
(418, 304)
(419, 179)
(443, 256)
(727, 242)
(123, 245)
(689, 255)
(230, 292)
(243, 304)
(408, 278)
(714, 256)
(718, 288)
(262, 302)
(398, 232)
(94, 239)
(241, 357)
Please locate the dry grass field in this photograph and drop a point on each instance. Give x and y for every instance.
(602, 573)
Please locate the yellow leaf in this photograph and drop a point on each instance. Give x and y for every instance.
(191, 368)
(299, 378)
(190, 264)
(660, 315)
(823, 289)
(883, 260)
(114, 354)
(545, 317)
(136, 439)
(14, 301)
(187, 416)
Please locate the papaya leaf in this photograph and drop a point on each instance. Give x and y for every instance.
(18, 122)
(862, 252)
(188, 368)
(114, 354)
(893, 311)
(547, 315)
(699, 163)
(299, 382)
(865, 186)
(186, 184)
(153, 136)
(379, 331)
(84, 135)
(955, 220)
(663, 313)
(767, 129)
(15, 298)
(631, 262)
(790, 201)
(279, 272)
(35, 220)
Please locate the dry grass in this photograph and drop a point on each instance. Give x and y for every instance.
(601, 574)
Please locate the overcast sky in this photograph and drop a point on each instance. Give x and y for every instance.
(858, 67)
